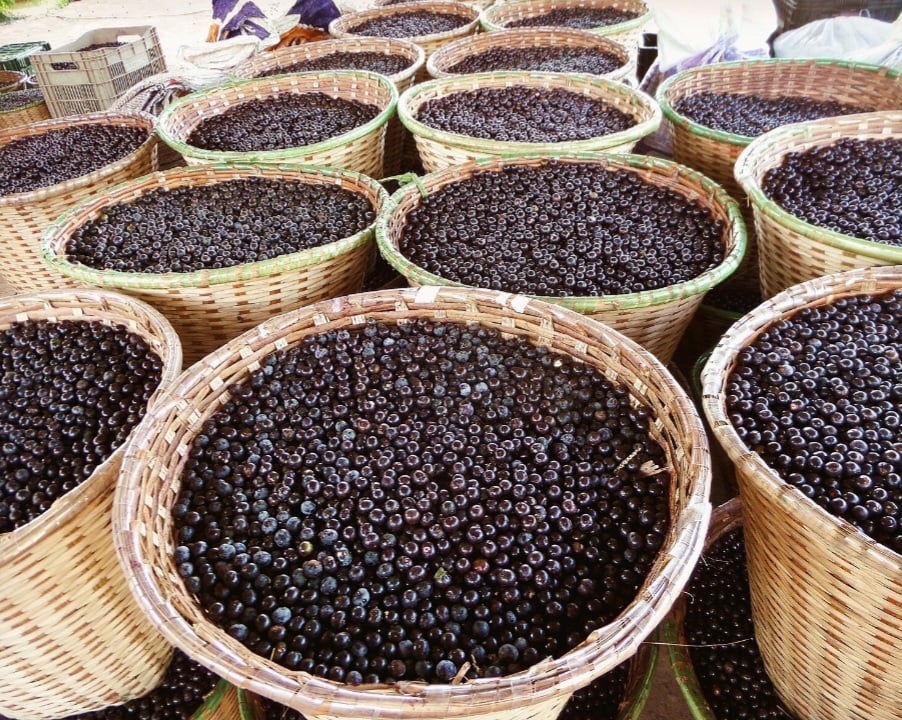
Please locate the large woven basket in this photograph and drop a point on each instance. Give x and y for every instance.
(394, 134)
(31, 113)
(25, 216)
(627, 34)
(441, 62)
(825, 597)
(791, 250)
(151, 479)
(655, 319)
(72, 637)
(439, 149)
(11, 80)
(210, 307)
(714, 152)
(360, 149)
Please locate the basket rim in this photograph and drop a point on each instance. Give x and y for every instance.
(487, 17)
(588, 303)
(742, 333)
(336, 26)
(528, 78)
(118, 279)
(69, 505)
(574, 669)
(273, 156)
(60, 188)
(23, 107)
(773, 142)
(717, 69)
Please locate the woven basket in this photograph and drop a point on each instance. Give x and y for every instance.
(439, 149)
(25, 216)
(359, 149)
(441, 62)
(11, 80)
(714, 152)
(655, 318)
(25, 115)
(72, 637)
(627, 34)
(210, 307)
(144, 525)
(222, 704)
(394, 134)
(825, 598)
(791, 250)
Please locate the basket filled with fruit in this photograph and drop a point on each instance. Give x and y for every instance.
(22, 107)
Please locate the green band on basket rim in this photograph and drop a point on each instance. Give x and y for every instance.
(486, 19)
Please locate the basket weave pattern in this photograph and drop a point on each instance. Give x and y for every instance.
(72, 637)
(825, 597)
(25, 216)
(144, 502)
(24, 115)
(222, 704)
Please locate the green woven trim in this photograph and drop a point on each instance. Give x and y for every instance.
(733, 138)
(218, 276)
(640, 691)
(586, 304)
(275, 156)
(22, 107)
(495, 147)
(246, 709)
(212, 701)
(616, 29)
(684, 672)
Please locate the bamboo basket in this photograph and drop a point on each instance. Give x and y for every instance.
(11, 80)
(210, 307)
(144, 525)
(791, 250)
(825, 597)
(25, 216)
(72, 637)
(478, 4)
(360, 149)
(441, 62)
(26, 115)
(656, 319)
(439, 149)
(222, 704)
(627, 34)
(714, 152)
(394, 134)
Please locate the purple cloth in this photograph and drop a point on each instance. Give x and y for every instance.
(318, 13)
(242, 17)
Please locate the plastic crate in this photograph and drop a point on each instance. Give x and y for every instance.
(18, 55)
(76, 82)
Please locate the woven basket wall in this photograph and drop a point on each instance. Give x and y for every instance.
(144, 524)
(222, 704)
(656, 319)
(25, 216)
(26, 115)
(209, 307)
(627, 34)
(12, 80)
(439, 149)
(395, 132)
(360, 149)
(825, 597)
(791, 250)
(714, 152)
(72, 636)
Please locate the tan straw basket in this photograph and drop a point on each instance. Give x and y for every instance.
(360, 149)
(151, 479)
(209, 307)
(791, 250)
(441, 63)
(222, 704)
(72, 637)
(501, 15)
(825, 597)
(656, 319)
(11, 80)
(25, 115)
(25, 216)
(439, 149)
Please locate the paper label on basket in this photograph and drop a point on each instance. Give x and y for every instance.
(358, 319)
(426, 294)
(320, 319)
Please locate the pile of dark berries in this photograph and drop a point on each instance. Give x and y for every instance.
(753, 115)
(562, 229)
(524, 114)
(20, 99)
(37, 161)
(414, 23)
(578, 18)
(183, 690)
(733, 300)
(274, 711)
(87, 48)
(721, 637)
(419, 501)
(601, 699)
(819, 397)
(852, 187)
(541, 59)
(70, 394)
(223, 225)
(287, 120)
(369, 60)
